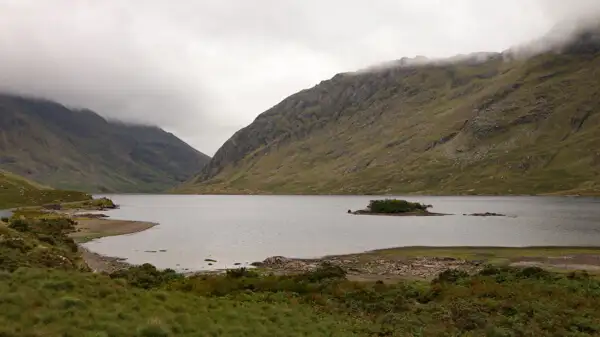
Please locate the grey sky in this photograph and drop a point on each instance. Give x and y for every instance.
(203, 69)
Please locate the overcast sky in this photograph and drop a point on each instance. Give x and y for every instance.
(203, 69)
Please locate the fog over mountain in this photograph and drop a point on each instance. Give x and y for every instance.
(203, 69)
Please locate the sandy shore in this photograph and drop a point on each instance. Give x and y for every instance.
(102, 263)
(88, 229)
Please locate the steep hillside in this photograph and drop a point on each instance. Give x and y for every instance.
(17, 191)
(77, 149)
(485, 124)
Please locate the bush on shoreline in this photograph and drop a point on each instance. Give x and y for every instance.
(497, 301)
(39, 243)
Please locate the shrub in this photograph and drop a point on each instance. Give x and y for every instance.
(241, 272)
(324, 272)
(396, 206)
(146, 276)
(451, 276)
(38, 243)
(102, 203)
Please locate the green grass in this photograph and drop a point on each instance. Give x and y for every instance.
(17, 191)
(497, 302)
(468, 252)
(56, 303)
(39, 243)
(491, 255)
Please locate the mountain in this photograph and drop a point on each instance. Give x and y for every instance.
(17, 191)
(486, 123)
(78, 149)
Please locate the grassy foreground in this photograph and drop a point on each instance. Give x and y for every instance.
(45, 290)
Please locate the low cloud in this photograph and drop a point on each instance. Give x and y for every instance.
(203, 69)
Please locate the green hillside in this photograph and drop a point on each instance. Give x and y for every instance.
(501, 125)
(17, 191)
(78, 149)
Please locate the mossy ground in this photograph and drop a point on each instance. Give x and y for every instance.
(16, 191)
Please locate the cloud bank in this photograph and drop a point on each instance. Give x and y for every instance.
(203, 69)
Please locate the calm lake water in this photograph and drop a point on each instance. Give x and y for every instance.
(243, 229)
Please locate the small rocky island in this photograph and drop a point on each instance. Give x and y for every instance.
(396, 207)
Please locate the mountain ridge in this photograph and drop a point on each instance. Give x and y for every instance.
(501, 126)
(78, 149)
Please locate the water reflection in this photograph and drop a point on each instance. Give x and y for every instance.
(244, 229)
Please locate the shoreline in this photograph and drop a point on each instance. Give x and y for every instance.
(568, 193)
(384, 264)
(426, 262)
(90, 229)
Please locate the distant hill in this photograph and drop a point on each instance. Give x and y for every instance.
(78, 149)
(486, 123)
(16, 191)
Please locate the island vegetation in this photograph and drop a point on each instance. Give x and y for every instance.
(396, 207)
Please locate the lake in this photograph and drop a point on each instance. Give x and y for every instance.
(244, 229)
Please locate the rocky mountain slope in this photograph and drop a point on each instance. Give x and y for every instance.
(78, 149)
(483, 124)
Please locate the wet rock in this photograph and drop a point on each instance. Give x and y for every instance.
(276, 260)
(420, 267)
(487, 214)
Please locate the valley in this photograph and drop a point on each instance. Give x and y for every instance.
(445, 196)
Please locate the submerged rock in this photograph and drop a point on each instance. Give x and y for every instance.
(487, 214)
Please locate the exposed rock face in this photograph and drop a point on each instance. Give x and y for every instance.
(485, 123)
